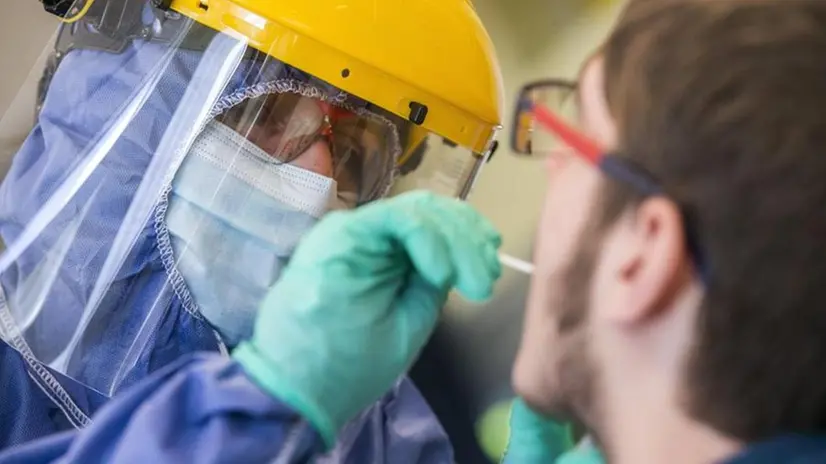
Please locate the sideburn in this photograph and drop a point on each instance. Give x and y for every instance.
(578, 372)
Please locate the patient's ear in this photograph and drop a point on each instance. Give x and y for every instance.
(650, 260)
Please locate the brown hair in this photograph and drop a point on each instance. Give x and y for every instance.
(724, 102)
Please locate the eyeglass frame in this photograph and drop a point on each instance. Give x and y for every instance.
(611, 164)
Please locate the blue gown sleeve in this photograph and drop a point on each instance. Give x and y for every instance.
(201, 409)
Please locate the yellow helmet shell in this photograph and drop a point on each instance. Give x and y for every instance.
(406, 56)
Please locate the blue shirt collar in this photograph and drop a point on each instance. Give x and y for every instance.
(787, 449)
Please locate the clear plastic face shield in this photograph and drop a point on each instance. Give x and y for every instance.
(169, 181)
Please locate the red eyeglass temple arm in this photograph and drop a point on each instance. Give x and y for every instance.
(580, 143)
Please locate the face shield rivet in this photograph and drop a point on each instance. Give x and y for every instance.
(418, 113)
(345, 73)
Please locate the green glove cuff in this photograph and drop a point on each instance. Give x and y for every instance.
(583, 454)
(535, 439)
(266, 376)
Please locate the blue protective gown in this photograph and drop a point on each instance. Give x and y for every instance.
(86, 91)
(205, 409)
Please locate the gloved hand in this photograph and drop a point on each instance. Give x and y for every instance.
(584, 453)
(359, 298)
(535, 439)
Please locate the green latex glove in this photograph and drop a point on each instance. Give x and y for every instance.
(360, 298)
(535, 439)
(585, 453)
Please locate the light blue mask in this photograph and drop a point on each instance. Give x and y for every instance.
(235, 216)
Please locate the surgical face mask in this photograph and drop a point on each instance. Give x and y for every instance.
(235, 216)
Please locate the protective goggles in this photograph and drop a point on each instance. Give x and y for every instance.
(362, 148)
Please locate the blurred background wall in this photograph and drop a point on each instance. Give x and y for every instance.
(26, 32)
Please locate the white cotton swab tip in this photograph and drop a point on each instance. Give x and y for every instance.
(516, 264)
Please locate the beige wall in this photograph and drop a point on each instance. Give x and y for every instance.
(26, 32)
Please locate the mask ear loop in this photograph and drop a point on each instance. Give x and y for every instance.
(331, 115)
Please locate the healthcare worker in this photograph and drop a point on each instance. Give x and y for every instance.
(676, 306)
(182, 150)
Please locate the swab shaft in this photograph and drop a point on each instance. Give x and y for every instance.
(516, 264)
